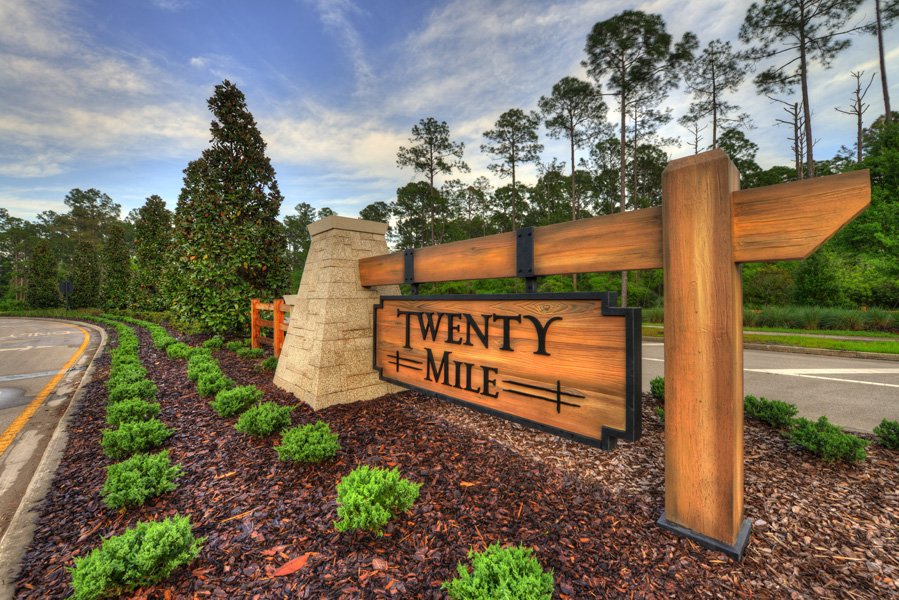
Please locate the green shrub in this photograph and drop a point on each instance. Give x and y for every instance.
(126, 373)
(773, 412)
(132, 481)
(660, 413)
(827, 440)
(236, 345)
(269, 364)
(129, 410)
(264, 420)
(308, 443)
(144, 388)
(210, 384)
(179, 351)
(250, 352)
(199, 364)
(657, 387)
(230, 402)
(214, 343)
(501, 573)
(142, 556)
(368, 498)
(162, 339)
(138, 436)
(888, 434)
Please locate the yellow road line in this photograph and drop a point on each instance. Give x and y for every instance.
(7, 437)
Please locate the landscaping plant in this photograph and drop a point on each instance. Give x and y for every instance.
(308, 443)
(657, 387)
(501, 573)
(888, 434)
(264, 420)
(142, 556)
(230, 402)
(827, 440)
(236, 345)
(144, 389)
(250, 352)
(130, 409)
(367, 498)
(214, 343)
(773, 412)
(213, 382)
(132, 481)
(178, 350)
(138, 436)
(269, 364)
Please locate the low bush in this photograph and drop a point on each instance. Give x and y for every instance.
(144, 389)
(367, 498)
(236, 345)
(199, 364)
(143, 476)
(657, 387)
(773, 412)
(129, 410)
(250, 352)
(125, 373)
(501, 573)
(179, 351)
(827, 440)
(888, 434)
(214, 343)
(213, 382)
(130, 438)
(161, 338)
(230, 402)
(660, 413)
(308, 443)
(142, 556)
(264, 420)
(269, 364)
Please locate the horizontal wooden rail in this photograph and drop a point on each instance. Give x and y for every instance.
(276, 324)
(633, 240)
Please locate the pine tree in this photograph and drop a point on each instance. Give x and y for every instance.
(115, 287)
(230, 245)
(152, 242)
(41, 289)
(85, 275)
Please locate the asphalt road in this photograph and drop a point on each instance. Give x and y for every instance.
(854, 393)
(41, 365)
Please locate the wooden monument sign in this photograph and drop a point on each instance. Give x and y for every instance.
(705, 228)
(566, 363)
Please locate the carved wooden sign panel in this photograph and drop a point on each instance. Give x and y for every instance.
(565, 363)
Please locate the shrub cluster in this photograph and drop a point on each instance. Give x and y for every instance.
(815, 317)
(142, 556)
(773, 412)
(250, 352)
(132, 437)
(230, 402)
(501, 573)
(204, 369)
(214, 343)
(178, 350)
(367, 498)
(162, 339)
(264, 420)
(308, 443)
(143, 389)
(236, 345)
(888, 434)
(210, 384)
(143, 476)
(827, 440)
(657, 387)
(129, 410)
(269, 364)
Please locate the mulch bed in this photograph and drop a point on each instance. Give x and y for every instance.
(820, 530)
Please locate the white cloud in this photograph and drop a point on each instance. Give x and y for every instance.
(336, 15)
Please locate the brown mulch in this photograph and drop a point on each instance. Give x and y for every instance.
(820, 530)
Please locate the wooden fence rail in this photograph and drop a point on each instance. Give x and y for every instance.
(277, 324)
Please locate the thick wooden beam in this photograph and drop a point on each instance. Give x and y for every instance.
(778, 222)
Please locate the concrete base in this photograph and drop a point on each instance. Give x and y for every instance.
(327, 353)
(734, 551)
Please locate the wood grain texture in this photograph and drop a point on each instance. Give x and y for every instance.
(703, 348)
(585, 358)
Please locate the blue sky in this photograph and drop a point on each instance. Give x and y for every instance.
(112, 94)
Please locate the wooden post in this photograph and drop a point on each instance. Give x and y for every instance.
(254, 323)
(278, 331)
(703, 354)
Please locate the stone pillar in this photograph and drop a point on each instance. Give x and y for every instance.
(327, 353)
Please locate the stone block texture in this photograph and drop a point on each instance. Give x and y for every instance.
(327, 353)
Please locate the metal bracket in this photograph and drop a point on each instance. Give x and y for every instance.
(409, 269)
(524, 258)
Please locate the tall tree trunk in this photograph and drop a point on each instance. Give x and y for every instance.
(574, 202)
(797, 146)
(858, 131)
(514, 195)
(622, 183)
(714, 111)
(806, 108)
(887, 114)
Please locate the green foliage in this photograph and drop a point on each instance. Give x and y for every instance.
(501, 573)
(250, 352)
(264, 420)
(367, 498)
(773, 412)
(817, 282)
(179, 351)
(129, 372)
(888, 434)
(115, 289)
(214, 343)
(144, 389)
(657, 387)
(152, 238)
(132, 481)
(42, 290)
(132, 437)
(827, 440)
(814, 317)
(308, 443)
(660, 413)
(201, 364)
(767, 283)
(229, 244)
(142, 556)
(269, 364)
(211, 383)
(230, 402)
(236, 345)
(130, 410)
(85, 275)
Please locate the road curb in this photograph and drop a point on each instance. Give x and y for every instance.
(20, 531)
